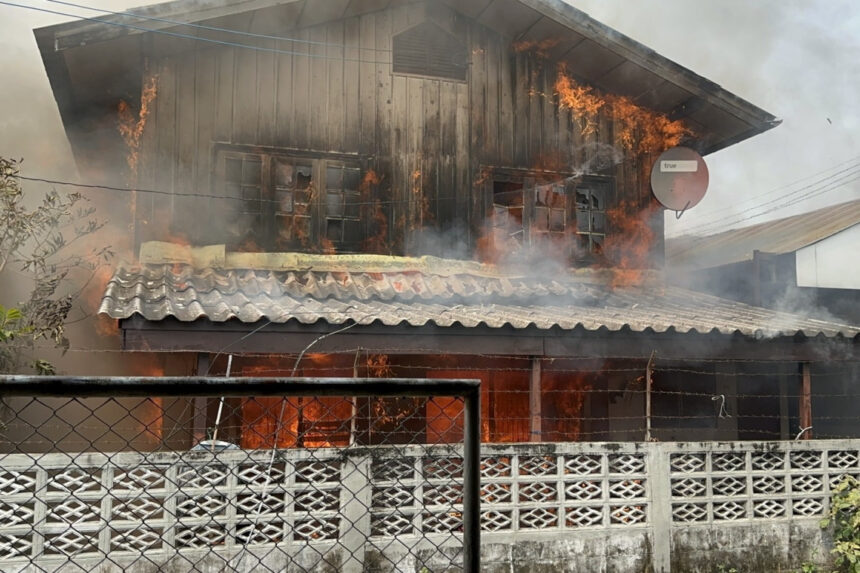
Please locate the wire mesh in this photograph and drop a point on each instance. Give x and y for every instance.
(256, 483)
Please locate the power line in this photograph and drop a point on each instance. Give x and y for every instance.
(737, 206)
(215, 28)
(419, 200)
(194, 38)
(837, 185)
(847, 175)
(728, 222)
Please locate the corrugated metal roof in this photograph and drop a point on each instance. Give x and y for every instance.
(156, 292)
(778, 237)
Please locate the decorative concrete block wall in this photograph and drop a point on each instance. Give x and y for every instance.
(545, 507)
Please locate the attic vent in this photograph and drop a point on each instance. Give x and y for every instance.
(428, 50)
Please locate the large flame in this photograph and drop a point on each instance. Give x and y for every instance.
(564, 395)
(629, 246)
(640, 129)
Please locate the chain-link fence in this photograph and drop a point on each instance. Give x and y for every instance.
(236, 474)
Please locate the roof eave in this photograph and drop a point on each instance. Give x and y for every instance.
(642, 55)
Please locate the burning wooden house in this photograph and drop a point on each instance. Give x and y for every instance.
(467, 183)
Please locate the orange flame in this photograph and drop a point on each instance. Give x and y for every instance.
(640, 129)
(540, 48)
(327, 246)
(131, 126)
(425, 213)
(562, 412)
(379, 366)
(629, 245)
(376, 241)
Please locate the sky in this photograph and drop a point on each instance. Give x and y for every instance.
(799, 60)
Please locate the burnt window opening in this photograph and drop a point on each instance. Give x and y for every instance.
(290, 202)
(526, 213)
(551, 211)
(293, 187)
(569, 214)
(508, 202)
(243, 181)
(342, 207)
(590, 218)
(428, 50)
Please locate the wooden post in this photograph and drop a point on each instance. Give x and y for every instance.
(535, 415)
(756, 277)
(353, 411)
(200, 403)
(784, 415)
(805, 405)
(648, 370)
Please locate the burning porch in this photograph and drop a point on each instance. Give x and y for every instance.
(567, 355)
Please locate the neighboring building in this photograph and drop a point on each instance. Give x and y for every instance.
(806, 264)
(488, 129)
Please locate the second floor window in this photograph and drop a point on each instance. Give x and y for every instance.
(590, 217)
(291, 202)
(569, 213)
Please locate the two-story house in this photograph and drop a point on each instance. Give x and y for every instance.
(467, 182)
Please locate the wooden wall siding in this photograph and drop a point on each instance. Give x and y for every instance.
(430, 140)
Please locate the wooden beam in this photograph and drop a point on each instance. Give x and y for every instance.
(171, 335)
(805, 405)
(535, 414)
(649, 368)
(633, 51)
(784, 416)
(201, 403)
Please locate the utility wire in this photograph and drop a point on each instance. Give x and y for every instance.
(831, 186)
(195, 38)
(824, 185)
(854, 160)
(222, 197)
(214, 28)
(814, 189)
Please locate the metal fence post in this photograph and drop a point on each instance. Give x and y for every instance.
(472, 483)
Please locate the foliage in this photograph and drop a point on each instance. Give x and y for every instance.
(38, 243)
(844, 517)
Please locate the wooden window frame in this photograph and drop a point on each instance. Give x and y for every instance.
(536, 180)
(265, 235)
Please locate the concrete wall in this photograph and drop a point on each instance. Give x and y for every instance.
(590, 507)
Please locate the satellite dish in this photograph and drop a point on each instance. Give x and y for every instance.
(679, 178)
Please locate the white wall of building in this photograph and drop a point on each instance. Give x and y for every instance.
(831, 263)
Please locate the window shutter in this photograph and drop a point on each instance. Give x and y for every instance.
(428, 50)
